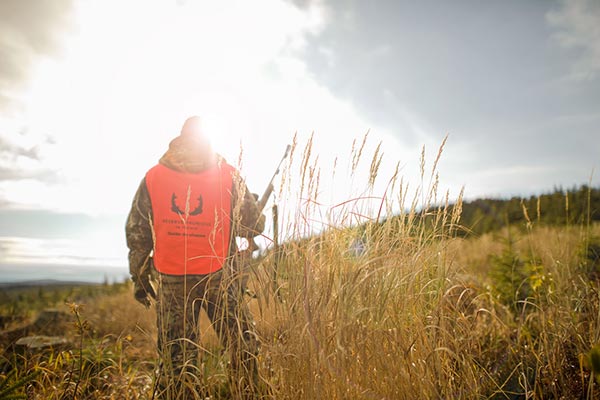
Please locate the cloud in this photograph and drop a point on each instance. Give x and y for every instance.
(16, 174)
(26, 258)
(44, 237)
(483, 73)
(11, 150)
(433, 61)
(21, 158)
(17, 250)
(47, 224)
(578, 28)
(28, 29)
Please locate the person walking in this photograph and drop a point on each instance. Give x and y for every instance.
(181, 230)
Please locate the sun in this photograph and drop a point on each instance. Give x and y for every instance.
(227, 119)
(215, 128)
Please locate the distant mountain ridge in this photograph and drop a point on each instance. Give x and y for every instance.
(47, 274)
(43, 282)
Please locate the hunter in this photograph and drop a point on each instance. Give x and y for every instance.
(181, 233)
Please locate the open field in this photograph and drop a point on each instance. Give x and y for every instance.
(446, 318)
(393, 308)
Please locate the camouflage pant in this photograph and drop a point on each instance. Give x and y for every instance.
(180, 300)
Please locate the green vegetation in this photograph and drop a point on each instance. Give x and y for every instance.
(575, 206)
(407, 308)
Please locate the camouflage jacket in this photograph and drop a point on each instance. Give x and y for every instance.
(184, 156)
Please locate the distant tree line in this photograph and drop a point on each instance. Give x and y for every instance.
(561, 207)
(571, 207)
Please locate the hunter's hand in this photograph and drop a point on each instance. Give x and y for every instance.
(142, 292)
(142, 298)
(260, 224)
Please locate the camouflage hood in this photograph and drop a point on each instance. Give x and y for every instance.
(186, 154)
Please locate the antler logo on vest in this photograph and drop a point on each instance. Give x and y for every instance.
(175, 208)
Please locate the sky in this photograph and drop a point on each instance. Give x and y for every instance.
(91, 92)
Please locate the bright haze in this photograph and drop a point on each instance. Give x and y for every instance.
(91, 93)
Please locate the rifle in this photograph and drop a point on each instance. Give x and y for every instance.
(262, 201)
(267, 193)
(246, 254)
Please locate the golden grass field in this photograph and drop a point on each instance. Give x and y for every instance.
(417, 313)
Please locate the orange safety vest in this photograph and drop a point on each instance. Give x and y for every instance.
(191, 217)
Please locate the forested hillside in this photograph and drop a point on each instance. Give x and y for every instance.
(561, 207)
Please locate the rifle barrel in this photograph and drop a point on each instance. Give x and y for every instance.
(265, 197)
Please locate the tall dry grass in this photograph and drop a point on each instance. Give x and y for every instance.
(413, 312)
(375, 297)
